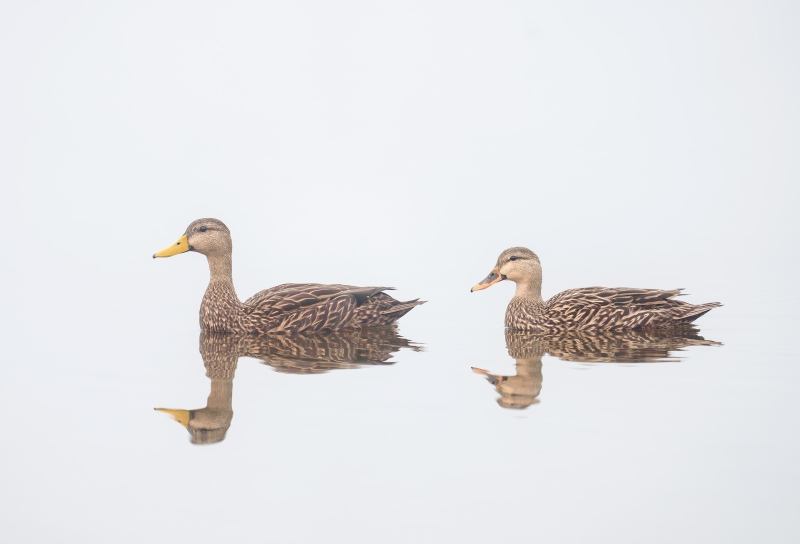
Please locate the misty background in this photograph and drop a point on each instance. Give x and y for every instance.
(403, 144)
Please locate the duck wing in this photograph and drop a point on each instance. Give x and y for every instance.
(616, 307)
(312, 307)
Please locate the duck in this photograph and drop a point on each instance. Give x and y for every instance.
(588, 308)
(285, 308)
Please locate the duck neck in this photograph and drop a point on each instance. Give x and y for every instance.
(220, 399)
(530, 290)
(530, 367)
(221, 308)
(221, 267)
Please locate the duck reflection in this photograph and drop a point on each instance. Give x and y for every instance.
(631, 346)
(289, 354)
(521, 390)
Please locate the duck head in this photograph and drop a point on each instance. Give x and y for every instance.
(207, 236)
(518, 264)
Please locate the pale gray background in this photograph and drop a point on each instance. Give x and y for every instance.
(405, 143)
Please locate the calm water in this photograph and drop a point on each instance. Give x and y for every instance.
(440, 429)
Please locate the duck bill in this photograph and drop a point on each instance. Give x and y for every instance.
(181, 416)
(493, 277)
(181, 246)
(491, 378)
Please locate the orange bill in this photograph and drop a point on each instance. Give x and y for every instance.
(493, 277)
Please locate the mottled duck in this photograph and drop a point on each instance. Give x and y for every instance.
(286, 308)
(589, 308)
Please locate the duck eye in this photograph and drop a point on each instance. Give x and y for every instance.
(203, 228)
(513, 258)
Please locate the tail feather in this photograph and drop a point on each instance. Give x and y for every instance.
(403, 307)
(363, 293)
(694, 311)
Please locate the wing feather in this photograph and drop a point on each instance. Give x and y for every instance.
(613, 307)
(314, 307)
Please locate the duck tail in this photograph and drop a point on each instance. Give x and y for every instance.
(361, 294)
(399, 310)
(696, 310)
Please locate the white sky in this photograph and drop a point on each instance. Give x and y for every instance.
(405, 142)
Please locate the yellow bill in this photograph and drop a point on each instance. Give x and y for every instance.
(181, 416)
(181, 246)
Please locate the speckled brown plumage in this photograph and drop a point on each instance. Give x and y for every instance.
(287, 308)
(589, 308)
